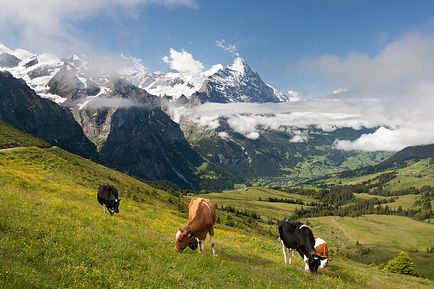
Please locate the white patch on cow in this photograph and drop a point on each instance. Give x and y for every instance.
(306, 264)
(304, 226)
(324, 263)
(319, 241)
(116, 200)
(177, 234)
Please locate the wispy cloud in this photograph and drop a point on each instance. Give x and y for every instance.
(50, 25)
(401, 62)
(232, 48)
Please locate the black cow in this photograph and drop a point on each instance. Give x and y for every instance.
(108, 197)
(294, 235)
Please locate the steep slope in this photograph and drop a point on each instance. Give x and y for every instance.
(159, 152)
(24, 109)
(275, 158)
(145, 142)
(54, 235)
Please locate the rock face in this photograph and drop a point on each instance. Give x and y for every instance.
(8, 60)
(24, 109)
(147, 143)
(235, 83)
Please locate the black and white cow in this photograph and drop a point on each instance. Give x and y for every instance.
(295, 235)
(108, 197)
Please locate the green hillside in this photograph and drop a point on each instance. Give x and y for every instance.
(416, 175)
(53, 234)
(273, 159)
(11, 137)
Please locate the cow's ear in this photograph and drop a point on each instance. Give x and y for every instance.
(181, 229)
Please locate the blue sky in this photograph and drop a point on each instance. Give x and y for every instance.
(273, 36)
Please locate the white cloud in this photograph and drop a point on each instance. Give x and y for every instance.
(402, 121)
(401, 62)
(232, 48)
(339, 90)
(223, 135)
(294, 95)
(183, 62)
(396, 86)
(253, 135)
(49, 25)
(249, 119)
(299, 136)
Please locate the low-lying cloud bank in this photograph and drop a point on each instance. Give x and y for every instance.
(398, 125)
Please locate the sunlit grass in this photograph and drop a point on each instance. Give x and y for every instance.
(53, 234)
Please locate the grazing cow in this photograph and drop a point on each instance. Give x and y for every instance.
(201, 220)
(295, 235)
(322, 249)
(108, 197)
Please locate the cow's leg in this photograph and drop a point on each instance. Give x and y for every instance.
(211, 241)
(306, 264)
(202, 244)
(290, 255)
(199, 247)
(284, 251)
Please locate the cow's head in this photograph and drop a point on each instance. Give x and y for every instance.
(324, 263)
(116, 205)
(313, 262)
(183, 238)
(113, 206)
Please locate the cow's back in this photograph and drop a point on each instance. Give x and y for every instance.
(288, 233)
(102, 194)
(202, 210)
(321, 247)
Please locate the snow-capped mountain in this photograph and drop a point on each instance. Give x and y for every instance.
(35, 69)
(237, 82)
(70, 81)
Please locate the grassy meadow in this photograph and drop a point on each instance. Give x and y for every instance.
(248, 199)
(53, 234)
(374, 239)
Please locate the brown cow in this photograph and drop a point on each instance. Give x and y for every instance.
(322, 249)
(201, 220)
